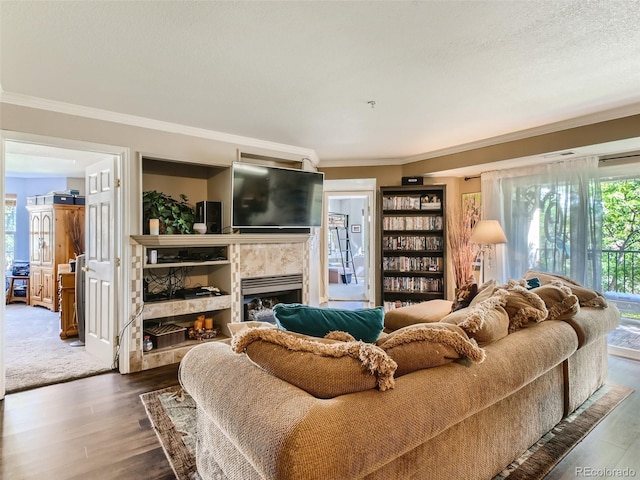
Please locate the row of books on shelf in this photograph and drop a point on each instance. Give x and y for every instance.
(412, 284)
(411, 242)
(412, 223)
(411, 202)
(412, 264)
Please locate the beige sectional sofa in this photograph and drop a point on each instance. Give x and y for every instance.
(458, 420)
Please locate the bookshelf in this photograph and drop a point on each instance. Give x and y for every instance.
(413, 244)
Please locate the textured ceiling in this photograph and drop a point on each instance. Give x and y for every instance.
(442, 73)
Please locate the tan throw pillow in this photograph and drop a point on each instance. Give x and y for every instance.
(425, 312)
(429, 345)
(560, 302)
(486, 322)
(340, 336)
(484, 291)
(586, 296)
(234, 328)
(523, 306)
(324, 368)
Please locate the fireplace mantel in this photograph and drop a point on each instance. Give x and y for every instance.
(216, 240)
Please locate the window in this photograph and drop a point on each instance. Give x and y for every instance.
(10, 201)
(621, 235)
(551, 214)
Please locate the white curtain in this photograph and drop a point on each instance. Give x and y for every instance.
(551, 215)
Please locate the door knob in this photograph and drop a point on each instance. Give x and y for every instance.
(85, 269)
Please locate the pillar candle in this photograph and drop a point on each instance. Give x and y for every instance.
(154, 226)
(197, 325)
(208, 323)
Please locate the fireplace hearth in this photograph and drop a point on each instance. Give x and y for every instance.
(260, 294)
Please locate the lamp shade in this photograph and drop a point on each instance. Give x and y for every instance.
(488, 232)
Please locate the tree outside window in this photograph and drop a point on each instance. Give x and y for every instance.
(621, 235)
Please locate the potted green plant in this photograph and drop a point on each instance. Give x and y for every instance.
(175, 216)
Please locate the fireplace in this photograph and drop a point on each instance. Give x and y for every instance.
(259, 294)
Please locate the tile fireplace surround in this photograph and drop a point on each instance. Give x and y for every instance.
(250, 255)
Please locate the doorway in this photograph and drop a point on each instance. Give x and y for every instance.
(45, 164)
(349, 268)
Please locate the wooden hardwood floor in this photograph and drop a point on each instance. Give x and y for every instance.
(97, 428)
(92, 428)
(615, 442)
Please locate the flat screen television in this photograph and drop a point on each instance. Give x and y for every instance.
(268, 197)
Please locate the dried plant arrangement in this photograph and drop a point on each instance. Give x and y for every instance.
(459, 226)
(75, 229)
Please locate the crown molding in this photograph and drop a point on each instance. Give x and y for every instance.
(602, 116)
(135, 121)
(306, 153)
(363, 162)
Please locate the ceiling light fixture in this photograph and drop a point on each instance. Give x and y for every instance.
(372, 103)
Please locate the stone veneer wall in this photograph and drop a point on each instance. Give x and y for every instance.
(135, 329)
(247, 261)
(253, 260)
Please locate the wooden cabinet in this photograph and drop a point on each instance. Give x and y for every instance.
(413, 244)
(43, 287)
(49, 245)
(67, 300)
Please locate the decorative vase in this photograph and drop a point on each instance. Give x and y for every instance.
(200, 228)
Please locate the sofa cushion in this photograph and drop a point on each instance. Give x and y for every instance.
(484, 291)
(486, 321)
(560, 302)
(322, 367)
(425, 312)
(465, 294)
(586, 296)
(364, 324)
(592, 323)
(427, 345)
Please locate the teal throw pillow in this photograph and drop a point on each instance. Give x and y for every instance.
(364, 324)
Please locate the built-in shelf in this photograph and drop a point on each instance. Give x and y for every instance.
(186, 345)
(173, 353)
(177, 307)
(186, 264)
(215, 260)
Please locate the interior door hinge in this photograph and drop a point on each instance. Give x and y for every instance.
(117, 183)
(117, 261)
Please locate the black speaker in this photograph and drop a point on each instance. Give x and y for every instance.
(210, 213)
(412, 180)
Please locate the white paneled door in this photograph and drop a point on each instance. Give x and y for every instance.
(101, 260)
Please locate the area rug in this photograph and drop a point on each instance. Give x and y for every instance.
(172, 413)
(36, 356)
